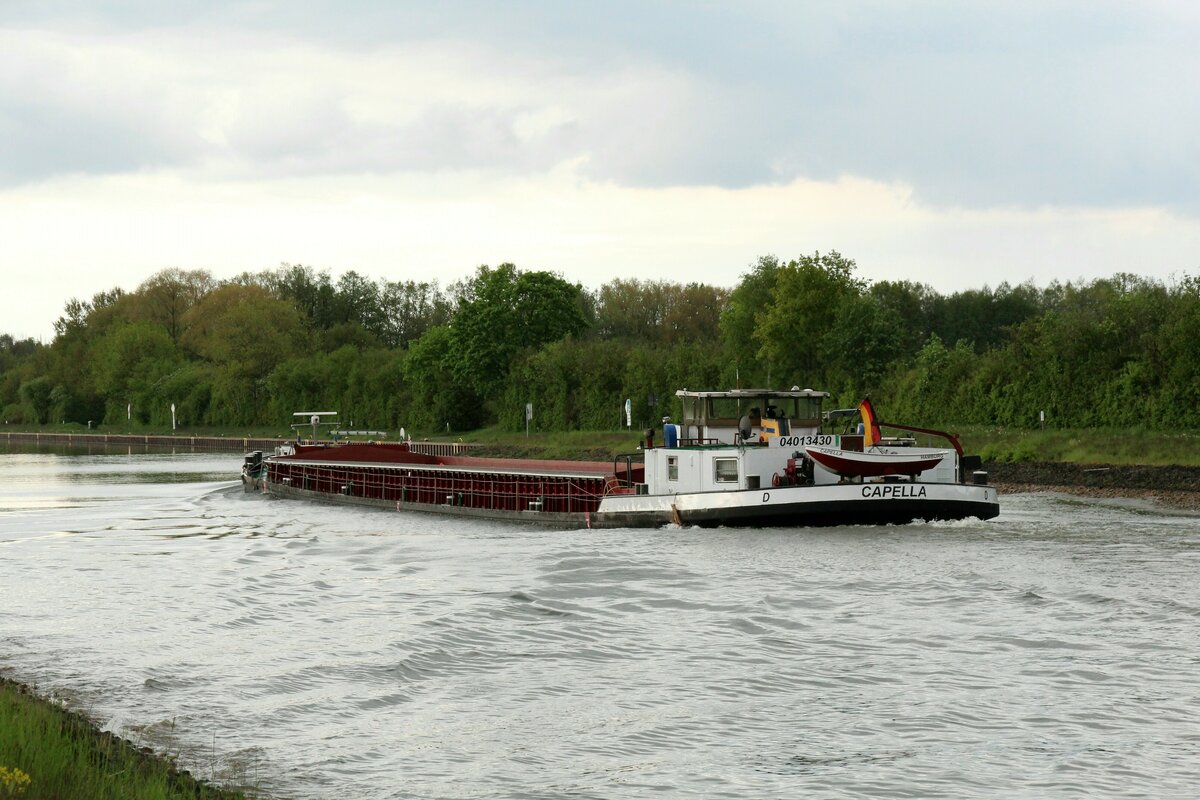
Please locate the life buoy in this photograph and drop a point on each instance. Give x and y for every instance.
(777, 480)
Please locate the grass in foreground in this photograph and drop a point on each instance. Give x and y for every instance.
(49, 753)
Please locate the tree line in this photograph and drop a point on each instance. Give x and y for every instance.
(1120, 351)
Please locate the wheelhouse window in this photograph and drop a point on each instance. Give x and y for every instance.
(725, 470)
(806, 409)
(724, 408)
(672, 468)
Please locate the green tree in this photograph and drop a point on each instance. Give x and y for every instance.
(982, 317)
(805, 302)
(35, 395)
(358, 301)
(863, 344)
(410, 308)
(748, 304)
(440, 395)
(245, 333)
(166, 296)
(129, 362)
(693, 313)
(632, 309)
(17, 364)
(504, 311)
(911, 303)
(310, 291)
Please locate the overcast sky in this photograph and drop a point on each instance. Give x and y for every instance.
(953, 143)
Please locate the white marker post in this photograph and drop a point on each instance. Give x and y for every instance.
(172, 417)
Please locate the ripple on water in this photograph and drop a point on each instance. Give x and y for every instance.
(355, 652)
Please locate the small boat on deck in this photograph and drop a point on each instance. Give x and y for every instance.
(741, 457)
(873, 463)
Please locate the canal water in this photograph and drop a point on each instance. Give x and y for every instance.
(313, 651)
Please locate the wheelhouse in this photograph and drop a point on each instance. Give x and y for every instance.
(721, 417)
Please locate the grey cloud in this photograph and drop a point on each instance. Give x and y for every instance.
(441, 138)
(973, 108)
(40, 141)
(1021, 104)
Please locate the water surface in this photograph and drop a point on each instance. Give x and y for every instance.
(316, 651)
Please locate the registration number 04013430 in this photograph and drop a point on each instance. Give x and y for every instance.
(811, 440)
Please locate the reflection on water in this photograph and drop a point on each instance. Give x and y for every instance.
(328, 652)
(79, 476)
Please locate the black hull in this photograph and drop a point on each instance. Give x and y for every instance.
(827, 514)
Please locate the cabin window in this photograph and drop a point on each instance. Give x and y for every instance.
(724, 408)
(672, 468)
(690, 408)
(806, 408)
(725, 470)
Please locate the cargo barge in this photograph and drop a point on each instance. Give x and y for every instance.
(742, 457)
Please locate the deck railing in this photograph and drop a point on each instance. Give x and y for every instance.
(442, 448)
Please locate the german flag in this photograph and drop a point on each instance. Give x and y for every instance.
(871, 433)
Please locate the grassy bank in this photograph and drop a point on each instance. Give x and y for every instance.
(49, 753)
(1093, 446)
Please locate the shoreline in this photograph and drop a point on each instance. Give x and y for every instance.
(1174, 499)
(67, 754)
(229, 443)
(1176, 487)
